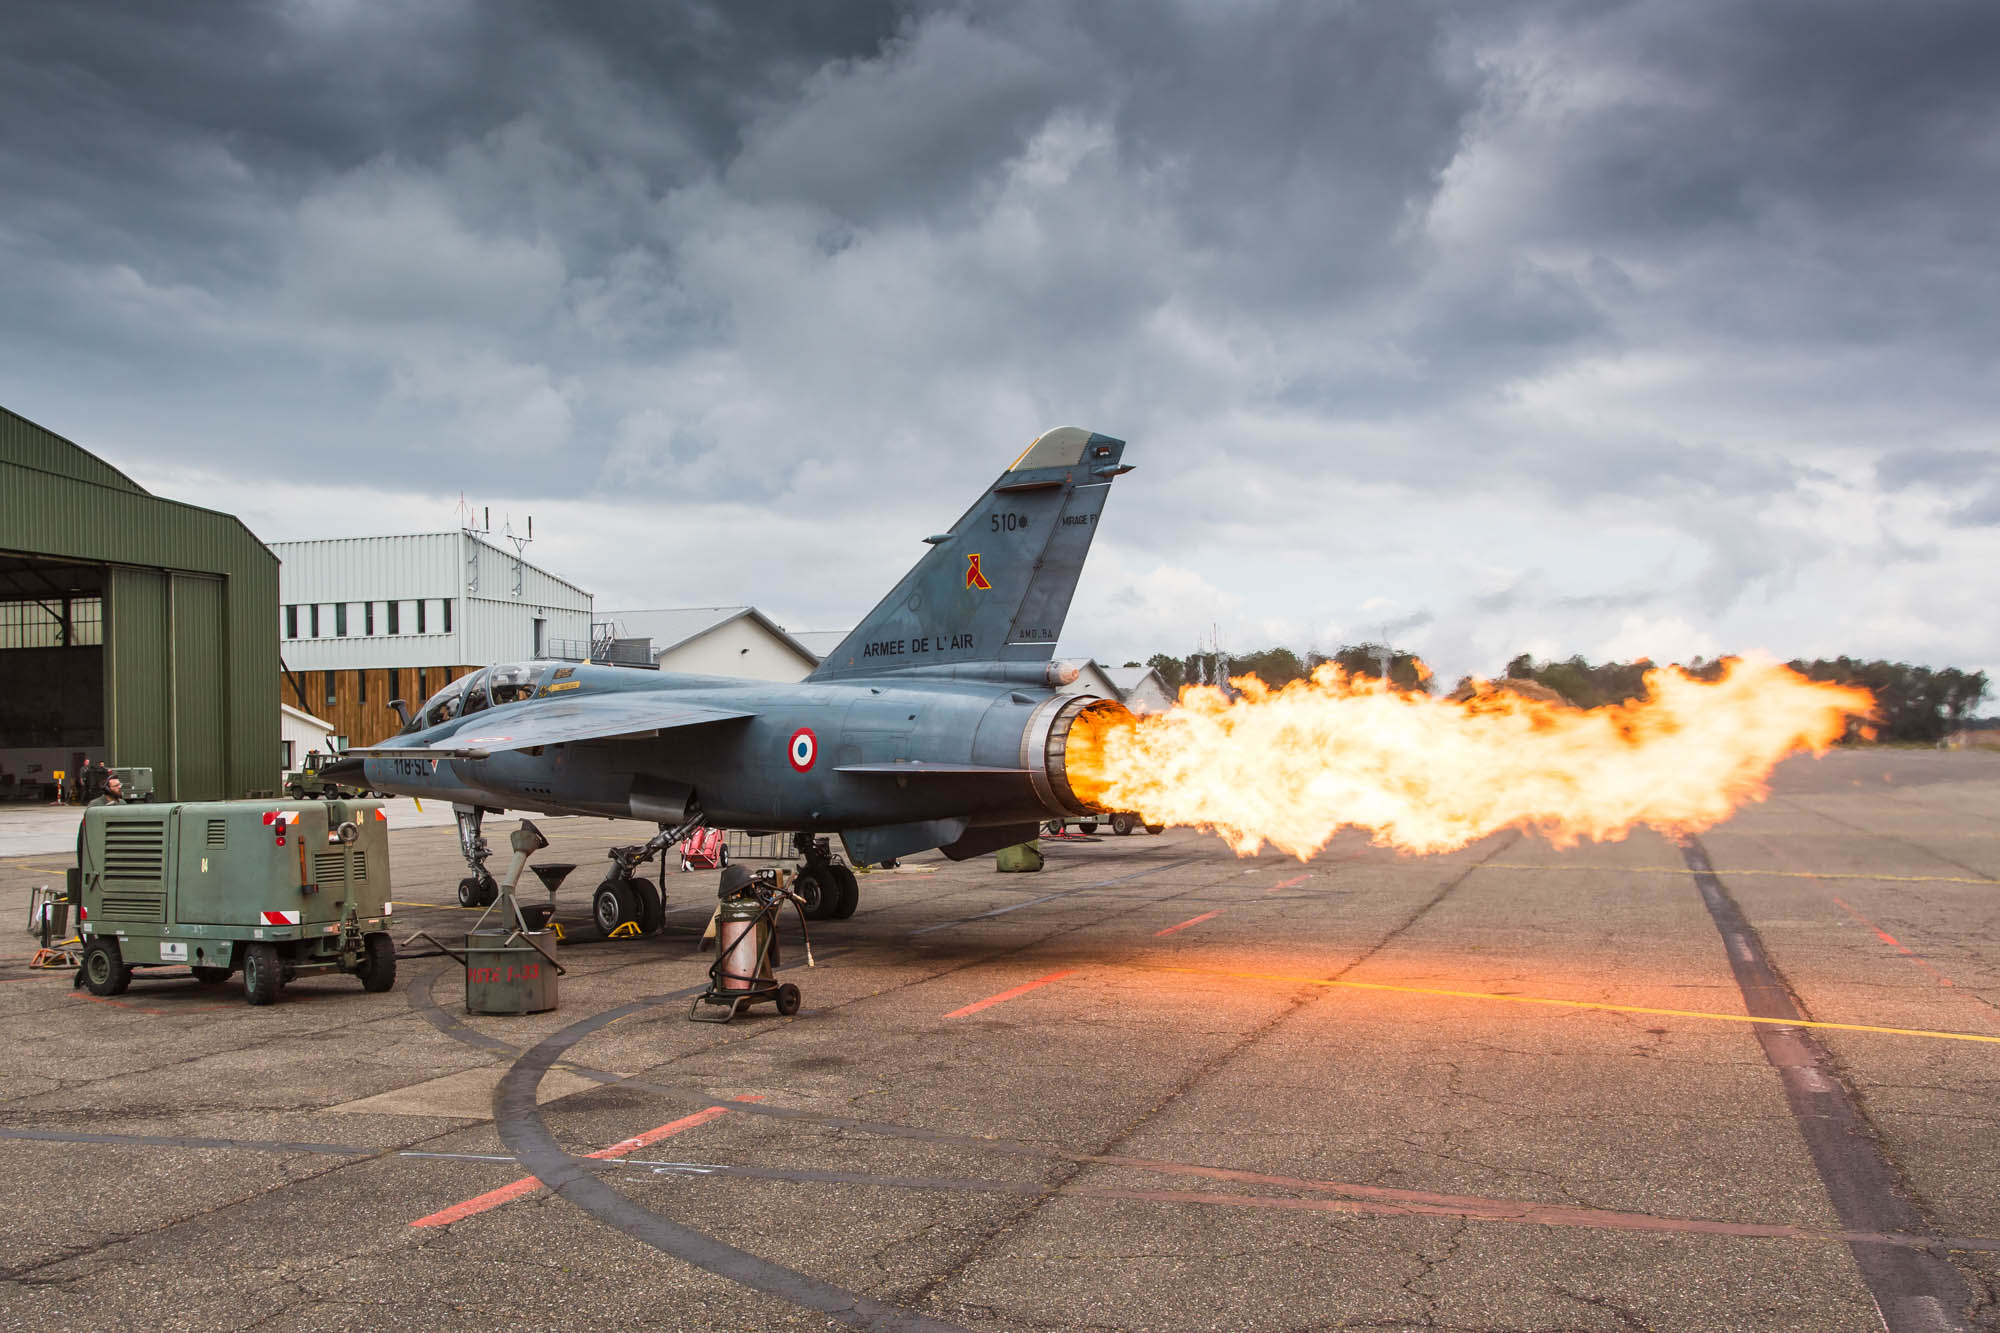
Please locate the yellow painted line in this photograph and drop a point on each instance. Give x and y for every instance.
(1583, 1004)
(1733, 874)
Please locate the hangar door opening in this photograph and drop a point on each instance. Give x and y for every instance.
(51, 673)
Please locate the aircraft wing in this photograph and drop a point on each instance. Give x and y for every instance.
(914, 767)
(558, 722)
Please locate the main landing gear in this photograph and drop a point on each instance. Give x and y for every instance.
(624, 899)
(826, 889)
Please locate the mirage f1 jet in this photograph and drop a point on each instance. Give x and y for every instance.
(936, 723)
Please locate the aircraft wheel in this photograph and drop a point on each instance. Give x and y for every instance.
(819, 901)
(468, 892)
(652, 908)
(104, 968)
(263, 974)
(1086, 826)
(788, 999)
(489, 890)
(1122, 824)
(849, 896)
(378, 962)
(210, 976)
(613, 904)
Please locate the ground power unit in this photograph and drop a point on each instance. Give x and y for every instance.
(271, 889)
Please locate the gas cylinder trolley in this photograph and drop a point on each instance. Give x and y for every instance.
(746, 947)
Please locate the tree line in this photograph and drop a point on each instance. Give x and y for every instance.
(1915, 703)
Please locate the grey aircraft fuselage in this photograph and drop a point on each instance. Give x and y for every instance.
(938, 722)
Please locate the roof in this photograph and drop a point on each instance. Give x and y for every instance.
(670, 627)
(820, 642)
(301, 715)
(280, 548)
(1128, 678)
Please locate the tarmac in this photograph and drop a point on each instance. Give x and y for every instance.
(1749, 1080)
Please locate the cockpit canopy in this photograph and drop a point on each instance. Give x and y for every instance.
(508, 683)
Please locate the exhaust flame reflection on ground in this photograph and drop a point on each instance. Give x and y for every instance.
(1294, 766)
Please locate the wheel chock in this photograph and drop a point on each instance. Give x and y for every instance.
(626, 930)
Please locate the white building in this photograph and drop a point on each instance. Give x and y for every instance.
(299, 734)
(718, 641)
(363, 620)
(1140, 688)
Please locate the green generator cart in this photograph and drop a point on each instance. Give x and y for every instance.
(271, 889)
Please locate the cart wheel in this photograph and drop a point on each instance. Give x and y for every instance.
(1053, 828)
(652, 908)
(788, 999)
(1087, 826)
(378, 962)
(104, 969)
(1156, 828)
(263, 974)
(468, 892)
(210, 976)
(613, 904)
(722, 855)
(1122, 824)
(850, 893)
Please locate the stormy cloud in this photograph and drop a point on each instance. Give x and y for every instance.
(1658, 327)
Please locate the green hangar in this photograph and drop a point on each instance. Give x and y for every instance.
(134, 630)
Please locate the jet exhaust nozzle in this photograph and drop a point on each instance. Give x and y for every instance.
(1045, 751)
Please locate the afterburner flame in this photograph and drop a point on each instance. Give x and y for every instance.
(1294, 766)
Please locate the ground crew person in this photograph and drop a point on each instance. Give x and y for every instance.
(114, 792)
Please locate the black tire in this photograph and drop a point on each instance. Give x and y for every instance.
(296, 792)
(850, 893)
(263, 973)
(378, 962)
(1053, 828)
(210, 976)
(468, 892)
(652, 907)
(722, 856)
(787, 999)
(1122, 824)
(1156, 828)
(1086, 826)
(613, 904)
(104, 970)
(489, 890)
(819, 899)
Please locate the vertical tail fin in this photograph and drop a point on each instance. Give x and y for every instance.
(997, 586)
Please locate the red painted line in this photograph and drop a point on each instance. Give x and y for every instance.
(529, 1184)
(1296, 879)
(1191, 921)
(1007, 995)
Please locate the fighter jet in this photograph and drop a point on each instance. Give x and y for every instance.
(937, 723)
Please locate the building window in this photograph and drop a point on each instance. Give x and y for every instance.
(292, 622)
(421, 604)
(284, 756)
(315, 620)
(368, 615)
(361, 687)
(340, 619)
(423, 685)
(395, 680)
(447, 615)
(332, 692)
(395, 617)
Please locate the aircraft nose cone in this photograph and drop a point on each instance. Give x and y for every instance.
(352, 772)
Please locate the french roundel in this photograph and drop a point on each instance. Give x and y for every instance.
(804, 749)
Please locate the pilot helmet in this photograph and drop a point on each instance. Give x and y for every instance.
(735, 879)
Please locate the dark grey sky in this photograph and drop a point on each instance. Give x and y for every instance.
(1657, 327)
